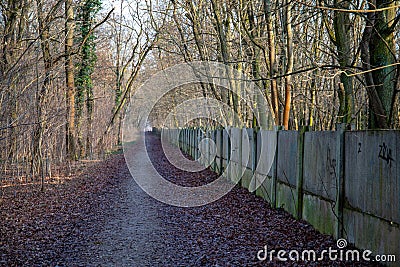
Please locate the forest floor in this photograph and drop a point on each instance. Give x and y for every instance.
(100, 217)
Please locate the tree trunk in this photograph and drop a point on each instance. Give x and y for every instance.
(341, 25)
(223, 26)
(382, 53)
(290, 63)
(70, 80)
(10, 45)
(377, 51)
(37, 157)
(273, 68)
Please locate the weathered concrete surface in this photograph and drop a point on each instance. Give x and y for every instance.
(204, 147)
(368, 232)
(247, 147)
(320, 180)
(236, 145)
(286, 197)
(197, 140)
(266, 156)
(226, 139)
(266, 188)
(201, 148)
(218, 157)
(247, 176)
(371, 178)
(320, 213)
(247, 156)
(319, 172)
(287, 156)
(236, 155)
(372, 186)
(372, 167)
(212, 149)
(190, 140)
(226, 151)
(218, 143)
(266, 147)
(286, 193)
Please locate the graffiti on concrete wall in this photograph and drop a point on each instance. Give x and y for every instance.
(385, 153)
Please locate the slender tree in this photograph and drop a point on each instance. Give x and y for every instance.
(290, 62)
(273, 67)
(70, 79)
(44, 30)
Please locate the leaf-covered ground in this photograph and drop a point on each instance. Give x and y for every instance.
(100, 217)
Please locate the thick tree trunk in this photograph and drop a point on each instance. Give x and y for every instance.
(341, 25)
(378, 56)
(382, 53)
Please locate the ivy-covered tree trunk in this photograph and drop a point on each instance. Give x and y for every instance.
(84, 85)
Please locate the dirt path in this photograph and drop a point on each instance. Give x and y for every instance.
(133, 233)
(115, 223)
(229, 232)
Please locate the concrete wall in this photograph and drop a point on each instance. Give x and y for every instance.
(235, 166)
(264, 173)
(319, 181)
(286, 192)
(372, 186)
(247, 159)
(345, 183)
(226, 151)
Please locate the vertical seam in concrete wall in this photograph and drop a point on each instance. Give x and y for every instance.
(240, 157)
(275, 167)
(253, 180)
(228, 154)
(299, 182)
(340, 179)
(221, 153)
(254, 152)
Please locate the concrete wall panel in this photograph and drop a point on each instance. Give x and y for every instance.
(287, 156)
(372, 172)
(266, 148)
(319, 165)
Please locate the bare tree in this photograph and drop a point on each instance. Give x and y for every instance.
(70, 79)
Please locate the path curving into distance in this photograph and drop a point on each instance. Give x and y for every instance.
(142, 231)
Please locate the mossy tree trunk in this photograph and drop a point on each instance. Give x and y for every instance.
(341, 23)
(379, 35)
